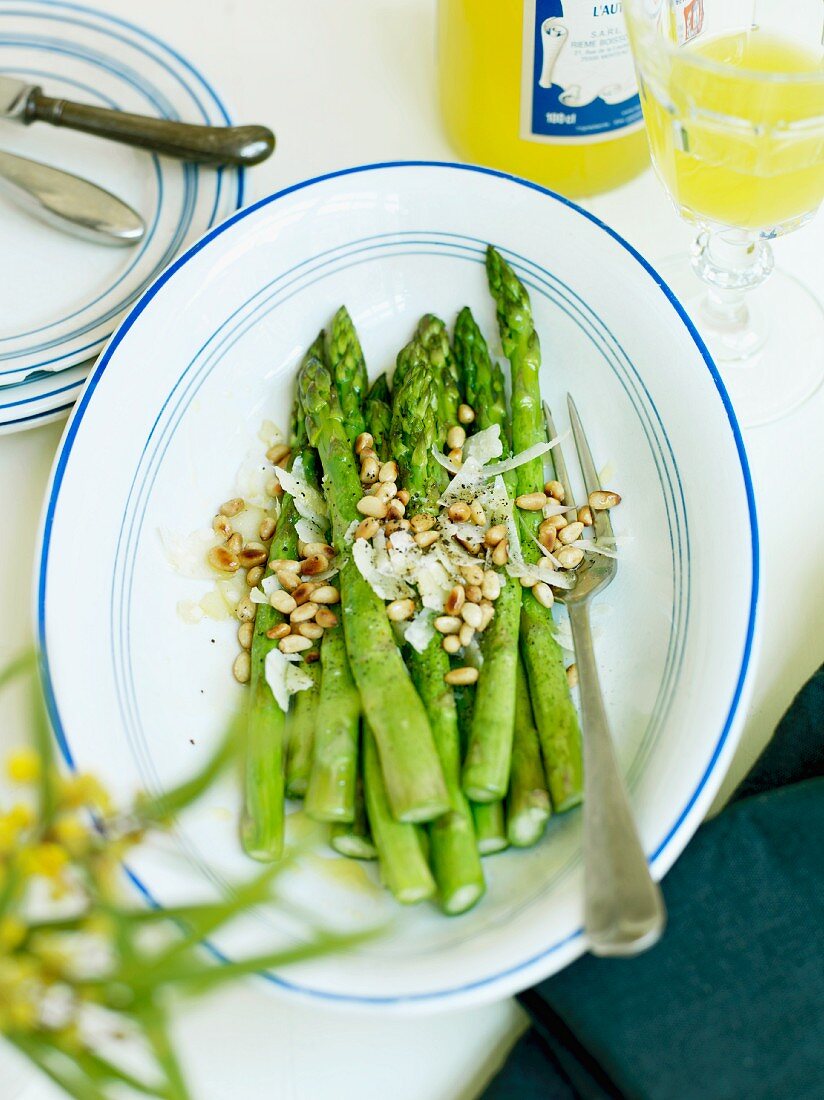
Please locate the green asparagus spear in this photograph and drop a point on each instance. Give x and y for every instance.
(488, 817)
(434, 338)
(403, 865)
(412, 772)
(354, 838)
(415, 429)
(554, 712)
(331, 792)
(300, 734)
(527, 806)
(377, 412)
(346, 361)
(486, 766)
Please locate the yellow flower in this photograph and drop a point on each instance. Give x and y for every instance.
(47, 859)
(84, 790)
(23, 766)
(12, 824)
(12, 933)
(72, 834)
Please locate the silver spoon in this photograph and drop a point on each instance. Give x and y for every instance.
(69, 202)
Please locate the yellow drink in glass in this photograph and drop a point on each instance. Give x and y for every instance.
(488, 71)
(732, 147)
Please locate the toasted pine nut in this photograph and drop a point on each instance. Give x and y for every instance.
(278, 455)
(473, 574)
(301, 550)
(455, 437)
(369, 452)
(422, 522)
(370, 468)
(477, 514)
(326, 594)
(267, 528)
(455, 600)
(364, 442)
(391, 526)
(459, 512)
(447, 624)
(472, 614)
(254, 576)
(288, 580)
(548, 534)
(398, 610)
(494, 534)
(295, 643)
(283, 602)
(500, 555)
(242, 668)
(245, 632)
(385, 490)
(572, 675)
(285, 563)
(304, 591)
(323, 548)
(531, 502)
(232, 507)
(389, 471)
(557, 522)
(403, 496)
(468, 544)
(585, 515)
(317, 563)
(451, 643)
(304, 612)
(367, 529)
(466, 633)
(274, 487)
(466, 414)
(310, 630)
(570, 556)
(455, 456)
(555, 489)
(395, 509)
(571, 532)
(602, 499)
(234, 544)
(528, 582)
(326, 618)
(491, 588)
(488, 611)
(371, 506)
(252, 554)
(245, 610)
(220, 557)
(282, 630)
(426, 538)
(459, 677)
(221, 526)
(474, 593)
(543, 594)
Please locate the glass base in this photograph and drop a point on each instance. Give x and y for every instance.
(773, 365)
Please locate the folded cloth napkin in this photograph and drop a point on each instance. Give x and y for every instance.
(730, 1004)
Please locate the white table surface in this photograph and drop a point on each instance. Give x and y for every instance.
(349, 83)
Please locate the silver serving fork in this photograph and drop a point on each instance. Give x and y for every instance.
(624, 911)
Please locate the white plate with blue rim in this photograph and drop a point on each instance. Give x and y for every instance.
(217, 340)
(62, 296)
(40, 398)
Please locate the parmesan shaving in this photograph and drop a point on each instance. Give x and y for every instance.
(308, 531)
(535, 573)
(594, 548)
(535, 451)
(256, 596)
(284, 677)
(376, 569)
(308, 500)
(484, 446)
(420, 632)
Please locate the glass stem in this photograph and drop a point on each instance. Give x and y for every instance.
(731, 262)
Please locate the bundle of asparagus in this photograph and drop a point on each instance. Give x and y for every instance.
(405, 679)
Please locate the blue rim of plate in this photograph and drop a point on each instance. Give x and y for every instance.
(64, 454)
(51, 11)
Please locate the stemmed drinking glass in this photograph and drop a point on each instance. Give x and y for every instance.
(733, 99)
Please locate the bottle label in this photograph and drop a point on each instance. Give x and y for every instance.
(578, 76)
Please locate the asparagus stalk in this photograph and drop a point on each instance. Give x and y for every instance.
(377, 412)
(434, 339)
(403, 865)
(415, 429)
(486, 766)
(488, 817)
(348, 366)
(300, 734)
(527, 806)
(554, 712)
(354, 838)
(412, 772)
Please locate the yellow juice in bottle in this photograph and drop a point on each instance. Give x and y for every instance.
(733, 145)
(542, 88)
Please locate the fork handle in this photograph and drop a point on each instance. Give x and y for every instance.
(624, 909)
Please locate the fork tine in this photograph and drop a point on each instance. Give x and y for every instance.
(557, 456)
(602, 522)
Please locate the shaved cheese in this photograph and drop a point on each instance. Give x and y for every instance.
(562, 633)
(186, 554)
(465, 485)
(308, 500)
(553, 508)
(433, 582)
(484, 445)
(270, 434)
(594, 548)
(403, 541)
(256, 596)
(535, 451)
(376, 569)
(420, 632)
(284, 677)
(470, 533)
(309, 531)
(539, 572)
(495, 501)
(349, 533)
(270, 584)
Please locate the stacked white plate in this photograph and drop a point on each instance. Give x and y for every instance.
(62, 296)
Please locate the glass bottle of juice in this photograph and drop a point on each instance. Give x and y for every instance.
(542, 88)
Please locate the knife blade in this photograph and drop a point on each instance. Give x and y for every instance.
(214, 145)
(69, 202)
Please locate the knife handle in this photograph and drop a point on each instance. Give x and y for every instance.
(214, 145)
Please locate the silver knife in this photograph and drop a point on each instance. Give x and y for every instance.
(215, 145)
(69, 202)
